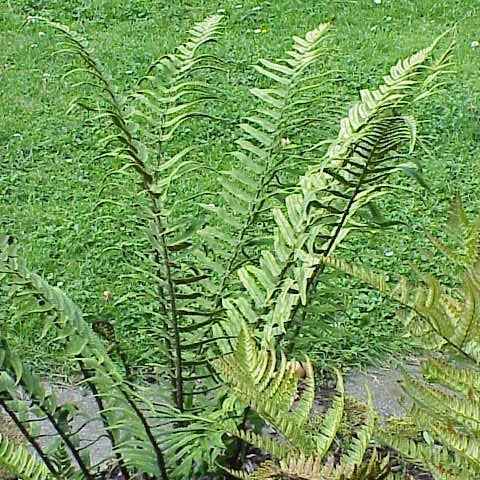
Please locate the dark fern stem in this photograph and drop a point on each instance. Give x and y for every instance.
(75, 452)
(30, 438)
(87, 375)
(148, 430)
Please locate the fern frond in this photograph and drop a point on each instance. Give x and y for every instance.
(270, 388)
(433, 314)
(302, 441)
(118, 406)
(446, 400)
(443, 405)
(22, 463)
(168, 95)
(332, 420)
(463, 380)
(46, 407)
(249, 186)
(368, 149)
(435, 458)
(354, 458)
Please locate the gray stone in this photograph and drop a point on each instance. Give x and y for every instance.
(384, 386)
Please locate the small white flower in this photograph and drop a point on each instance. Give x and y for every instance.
(257, 31)
(17, 135)
(377, 2)
(475, 44)
(46, 77)
(388, 252)
(34, 45)
(41, 34)
(221, 10)
(256, 9)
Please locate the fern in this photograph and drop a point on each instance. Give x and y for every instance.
(196, 306)
(22, 463)
(301, 444)
(433, 314)
(317, 218)
(441, 319)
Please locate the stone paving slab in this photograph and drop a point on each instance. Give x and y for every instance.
(384, 387)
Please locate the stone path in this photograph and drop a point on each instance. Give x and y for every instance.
(384, 386)
(382, 383)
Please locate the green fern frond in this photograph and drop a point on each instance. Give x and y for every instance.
(354, 457)
(438, 459)
(465, 233)
(446, 400)
(353, 172)
(462, 380)
(249, 187)
(119, 406)
(14, 374)
(266, 443)
(302, 441)
(270, 388)
(22, 463)
(434, 315)
(449, 407)
(331, 421)
(434, 458)
(171, 93)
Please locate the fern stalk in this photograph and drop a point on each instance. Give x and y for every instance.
(148, 430)
(31, 440)
(104, 418)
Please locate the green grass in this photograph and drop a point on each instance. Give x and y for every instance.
(50, 180)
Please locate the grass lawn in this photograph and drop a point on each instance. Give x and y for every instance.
(51, 180)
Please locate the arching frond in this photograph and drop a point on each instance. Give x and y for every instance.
(120, 408)
(436, 315)
(22, 463)
(270, 387)
(443, 319)
(370, 146)
(251, 186)
(302, 441)
(170, 93)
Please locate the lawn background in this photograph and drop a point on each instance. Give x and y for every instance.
(50, 179)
